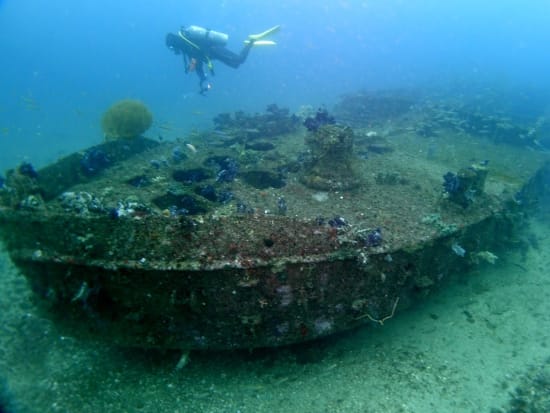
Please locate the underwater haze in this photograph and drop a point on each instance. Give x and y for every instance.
(65, 62)
(381, 246)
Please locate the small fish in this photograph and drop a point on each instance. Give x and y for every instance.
(28, 99)
(165, 127)
(191, 147)
(458, 250)
(31, 107)
(222, 134)
(30, 103)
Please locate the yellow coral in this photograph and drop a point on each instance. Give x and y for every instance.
(126, 119)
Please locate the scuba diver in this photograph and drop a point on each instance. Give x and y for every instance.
(199, 46)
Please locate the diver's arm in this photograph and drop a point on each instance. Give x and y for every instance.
(185, 63)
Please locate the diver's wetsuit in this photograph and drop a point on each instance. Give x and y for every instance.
(203, 54)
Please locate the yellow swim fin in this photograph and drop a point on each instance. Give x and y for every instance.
(261, 35)
(261, 42)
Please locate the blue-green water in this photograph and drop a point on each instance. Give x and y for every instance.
(464, 349)
(64, 63)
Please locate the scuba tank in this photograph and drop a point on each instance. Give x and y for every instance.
(200, 35)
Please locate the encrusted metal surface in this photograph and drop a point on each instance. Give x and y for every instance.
(231, 242)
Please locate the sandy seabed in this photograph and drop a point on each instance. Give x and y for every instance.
(465, 348)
